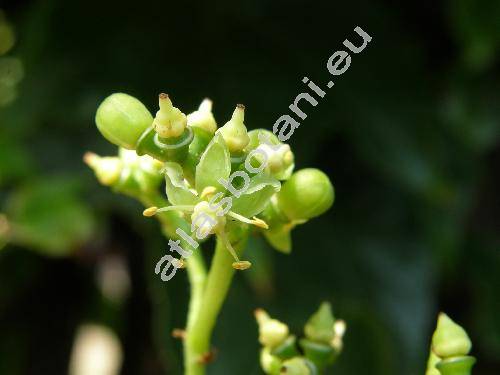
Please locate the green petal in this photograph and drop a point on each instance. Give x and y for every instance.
(215, 163)
(253, 200)
(178, 192)
(280, 239)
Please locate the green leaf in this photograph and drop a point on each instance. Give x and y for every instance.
(215, 163)
(254, 199)
(178, 192)
(49, 217)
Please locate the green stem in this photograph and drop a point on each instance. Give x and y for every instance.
(199, 333)
(195, 265)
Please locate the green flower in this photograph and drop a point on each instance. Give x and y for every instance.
(267, 148)
(208, 202)
(127, 173)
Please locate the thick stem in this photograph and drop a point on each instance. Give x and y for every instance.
(197, 344)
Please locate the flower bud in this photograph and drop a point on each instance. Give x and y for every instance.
(272, 332)
(107, 169)
(203, 117)
(234, 131)
(269, 363)
(122, 119)
(307, 194)
(169, 121)
(297, 366)
(449, 339)
(320, 326)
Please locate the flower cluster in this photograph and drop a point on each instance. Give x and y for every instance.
(217, 179)
(283, 353)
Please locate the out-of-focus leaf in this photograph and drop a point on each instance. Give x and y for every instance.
(48, 216)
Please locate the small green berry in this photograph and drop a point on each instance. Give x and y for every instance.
(122, 119)
(307, 194)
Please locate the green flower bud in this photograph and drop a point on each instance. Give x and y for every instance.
(307, 194)
(320, 326)
(122, 119)
(298, 366)
(234, 131)
(203, 117)
(449, 339)
(169, 121)
(269, 363)
(272, 332)
(456, 365)
(107, 169)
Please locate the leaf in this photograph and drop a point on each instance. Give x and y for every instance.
(254, 199)
(49, 217)
(215, 163)
(177, 189)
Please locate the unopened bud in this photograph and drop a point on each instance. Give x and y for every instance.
(307, 194)
(107, 169)
(449, 339)
(122, 119)
(203, 117)
(234, 131)
(272, 332)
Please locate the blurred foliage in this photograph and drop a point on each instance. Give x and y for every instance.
(409, 136)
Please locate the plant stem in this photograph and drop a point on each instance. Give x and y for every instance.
(199, 332)
(195, 265)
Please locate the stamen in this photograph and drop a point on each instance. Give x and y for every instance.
(228, 245)
(255, 220)
(151, 211)
(187, 208)
(242, 265)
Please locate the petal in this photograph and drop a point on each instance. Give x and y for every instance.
(178, 192)
(214, 164)
(254, 199)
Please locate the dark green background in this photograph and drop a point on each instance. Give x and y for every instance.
(408, 135)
